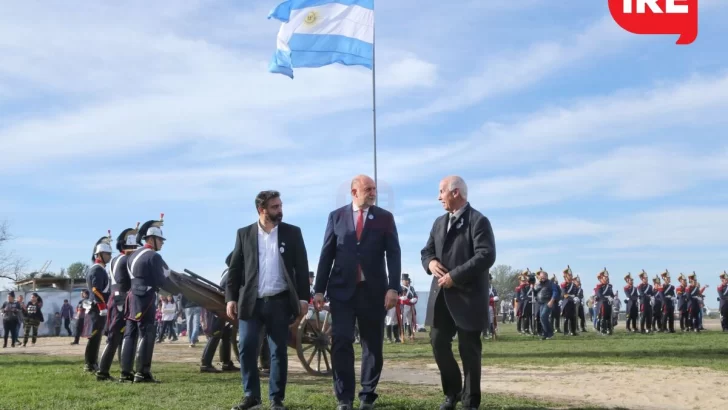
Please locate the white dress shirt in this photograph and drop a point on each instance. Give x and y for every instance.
(356, 217)
(457, 215)
(270, 278)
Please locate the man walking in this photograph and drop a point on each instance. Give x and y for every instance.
(547, 295)
(360, 238)
(459, 254)
(66, 315)
(267, 286)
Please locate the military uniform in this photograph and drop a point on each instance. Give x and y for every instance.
(148, 272)
(527, 306)
(98, 283)
(120, 286)
(569, 295)
(647, 300)
(632, 302)
(580, 304)
(723, 301)
(682, 303)
(669, 298)
(605, 295)
(518, 303)
(695, 298)
(657, 308)
(408, 300)
(492, 320)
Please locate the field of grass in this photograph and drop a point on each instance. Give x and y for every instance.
(707, 349)
(57, 382)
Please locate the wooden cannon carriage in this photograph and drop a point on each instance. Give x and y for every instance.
(311, 337)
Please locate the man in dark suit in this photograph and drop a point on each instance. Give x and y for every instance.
(459, 254)
(360, 237)
(267, 285)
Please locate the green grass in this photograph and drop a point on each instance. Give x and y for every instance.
(706, 349)
(57, 382)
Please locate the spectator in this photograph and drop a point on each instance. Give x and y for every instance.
(11, 312)
(169, 314)
(57, 323)
(192, 313)
(66, 315)
(80, 316)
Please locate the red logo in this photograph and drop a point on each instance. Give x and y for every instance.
(658, 17)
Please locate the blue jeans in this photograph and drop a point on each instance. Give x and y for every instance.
(274, 314)
(545, 314)
(193, 323)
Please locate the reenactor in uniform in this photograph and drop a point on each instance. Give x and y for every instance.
(605, 295)
(657, 308)
(527, 306)
(222, 334)
(148, 273)
(632, 301)
(695, 296)
(408, 301)
(556, 311)
(98, 283)
(569, 291)
(682, 303)
(580, 303)
(723, 300)
(518, 299)
(120, 285)
(493, 298)
(647, 300)
(669, 297)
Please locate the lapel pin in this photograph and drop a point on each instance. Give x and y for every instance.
(460, 224)
(370, 216)
(283, 244)
(282, 249)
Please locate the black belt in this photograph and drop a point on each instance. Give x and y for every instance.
(282, 295)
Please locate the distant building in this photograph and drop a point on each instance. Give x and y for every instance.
(48, 283)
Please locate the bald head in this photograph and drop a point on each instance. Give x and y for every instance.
(453, 193)
(363, 191)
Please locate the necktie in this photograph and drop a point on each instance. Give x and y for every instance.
(359, 229)
(453, 218)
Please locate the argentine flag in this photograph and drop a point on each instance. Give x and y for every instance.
(316, 33)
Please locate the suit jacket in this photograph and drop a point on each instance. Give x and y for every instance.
(342, 253)
(468, 252)
(242, 278)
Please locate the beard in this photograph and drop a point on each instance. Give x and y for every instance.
(274, 218)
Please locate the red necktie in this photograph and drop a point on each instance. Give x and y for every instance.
(359, 229)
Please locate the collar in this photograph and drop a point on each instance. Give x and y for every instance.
(356, 208)
(460, 211)
(262, 230)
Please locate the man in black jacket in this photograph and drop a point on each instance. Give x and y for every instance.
(267, 286)
(459, 254)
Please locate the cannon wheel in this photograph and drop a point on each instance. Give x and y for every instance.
(313, 343)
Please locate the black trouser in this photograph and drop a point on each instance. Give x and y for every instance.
(470, 346)
(222, 336)
(91, 356)
(724, 315)
(114, 336)
(668, 317)
(694, 312)
(605, 317)
(646, 319)
(167, 327)
(569, 317)
(67, 325)
(145, 328)
(556, 315)
(503, 320)
(632, 314)
(657, 316)
(393, 330)
(79, 329)
(526, 316)
(582, 318)
(684, 322)
(11, 329)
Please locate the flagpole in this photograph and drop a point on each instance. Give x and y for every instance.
(374, 113)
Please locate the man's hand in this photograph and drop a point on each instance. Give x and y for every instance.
(390, 300)
(445, 281)
(232, 310)
(437, 268)
(550, 304)
(318, 302)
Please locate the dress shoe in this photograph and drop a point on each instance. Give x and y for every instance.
(364, 405)
(344, 405)
(449, 403)
(145, 378)
(209, 369)
(248, 403)
(230, 367)
(277, 405)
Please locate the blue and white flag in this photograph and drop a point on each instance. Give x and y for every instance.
(316, 33)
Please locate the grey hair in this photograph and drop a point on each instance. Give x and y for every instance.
(459, 183)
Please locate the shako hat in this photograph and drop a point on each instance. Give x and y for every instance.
(665, 274)
(643, 274)
(567, 271)
(102, 245)
(151, 228)
(628, 277)
(127, 239)
(405, 276)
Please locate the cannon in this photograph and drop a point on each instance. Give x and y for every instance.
(311, 337)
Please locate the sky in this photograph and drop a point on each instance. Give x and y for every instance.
(582, 143)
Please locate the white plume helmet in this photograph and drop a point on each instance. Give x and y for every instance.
(102, 245)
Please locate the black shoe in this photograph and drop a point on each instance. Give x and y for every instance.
(365, 405)
(277, 405)
(344, 405)
(91, 368)
(145, 378)
(248, 403)
(126, 377)
(263, 372)
(230, 367)
(103, 376)
(449, 403)
(209, 369)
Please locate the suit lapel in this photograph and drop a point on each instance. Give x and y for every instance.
(369, 220)
(458, 226)
(253, 241)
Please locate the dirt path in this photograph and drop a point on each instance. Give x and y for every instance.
(614, 386)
